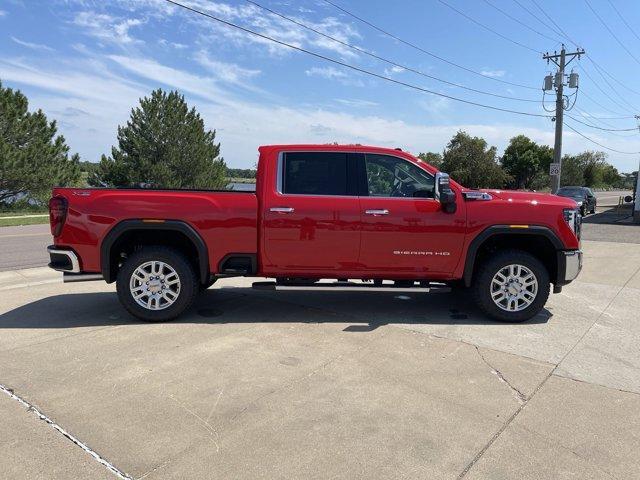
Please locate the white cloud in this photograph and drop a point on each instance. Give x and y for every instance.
(32, 46)
(393, 70)
(204, 87)
(332, 73)
(493, 73)
(3, 13)
(355, 102)
(91, 101)
(107, 28)
(228, 72)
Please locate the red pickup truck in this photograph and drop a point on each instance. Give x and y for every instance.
(370, 218)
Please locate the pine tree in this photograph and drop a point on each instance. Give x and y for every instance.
(163, 145)
(32, 158)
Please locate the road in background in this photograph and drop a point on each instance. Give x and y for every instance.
(24, 246)
(611, 197)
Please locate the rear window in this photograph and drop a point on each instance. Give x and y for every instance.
(315, 173)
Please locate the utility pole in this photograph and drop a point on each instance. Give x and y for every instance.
(560, 59)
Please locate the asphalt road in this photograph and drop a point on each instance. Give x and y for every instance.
(25, 246)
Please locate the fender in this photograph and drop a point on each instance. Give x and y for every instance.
(502, 230)
(138, 224)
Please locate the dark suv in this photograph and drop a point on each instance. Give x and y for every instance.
(583, 196)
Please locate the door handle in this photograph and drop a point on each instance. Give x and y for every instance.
(377, 213)
(282, 209)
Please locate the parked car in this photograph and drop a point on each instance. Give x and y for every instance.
(342, 212)
(583, 196)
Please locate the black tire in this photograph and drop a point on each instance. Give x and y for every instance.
(593, 209)
(484, 275)
(583, 210)
(178, 262)
(204, 286)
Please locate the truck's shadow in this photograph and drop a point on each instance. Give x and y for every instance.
(359, 311)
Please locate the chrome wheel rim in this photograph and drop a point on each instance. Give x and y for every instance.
(155, 285)
(513, 288)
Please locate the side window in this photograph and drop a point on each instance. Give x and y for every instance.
(315, 173)
(389, 176)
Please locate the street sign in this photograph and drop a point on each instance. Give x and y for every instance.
(554, 169)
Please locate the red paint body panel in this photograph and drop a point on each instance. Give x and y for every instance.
(325, 236)
(226, 221)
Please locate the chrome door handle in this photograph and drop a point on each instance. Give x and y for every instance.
(282, 209)
(376, 213)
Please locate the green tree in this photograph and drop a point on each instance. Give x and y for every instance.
(33, 159)
(527, 162)
(433, 159)
(164, 144)
(472, 163)
(572, 171)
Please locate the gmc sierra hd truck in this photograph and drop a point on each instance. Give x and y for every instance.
(327, 217)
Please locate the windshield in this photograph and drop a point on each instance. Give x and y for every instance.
(570, 192)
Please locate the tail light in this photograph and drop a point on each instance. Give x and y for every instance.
(58, 207)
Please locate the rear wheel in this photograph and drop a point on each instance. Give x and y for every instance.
(156, 284)
(511, 286)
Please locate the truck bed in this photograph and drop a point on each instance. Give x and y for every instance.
(225, 219)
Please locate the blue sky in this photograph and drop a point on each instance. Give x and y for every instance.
(87, 62)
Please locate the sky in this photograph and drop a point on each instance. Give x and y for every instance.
(86, 64)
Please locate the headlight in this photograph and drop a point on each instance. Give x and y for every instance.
(579, 203)
(573, 219)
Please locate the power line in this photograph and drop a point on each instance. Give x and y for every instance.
(563, 33)
(601, 73)
(623, 20)
(347, 65)
(520, 22)
(504, 37)
(537, 18)
(604, 129)
(624, 107)
(595, 102)
(383, 59)
(611, 32)
(599, 144)
(420, 49)
(603, 70)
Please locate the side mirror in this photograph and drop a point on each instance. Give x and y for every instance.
(444, 194)
(628, 199)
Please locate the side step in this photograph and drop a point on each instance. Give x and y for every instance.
(353, 287)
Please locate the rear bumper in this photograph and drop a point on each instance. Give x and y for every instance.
(63, 260)
(569, 266)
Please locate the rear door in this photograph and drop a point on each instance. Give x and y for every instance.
(312, 216)
(405, 233)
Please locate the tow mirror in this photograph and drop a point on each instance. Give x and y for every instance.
(444, 194)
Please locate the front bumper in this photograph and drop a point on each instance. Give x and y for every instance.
(569, 266)
(63, 260)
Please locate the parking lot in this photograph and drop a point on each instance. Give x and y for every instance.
(258, 384)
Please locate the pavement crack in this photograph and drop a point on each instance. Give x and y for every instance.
(504, 426)
(38, 413)
(521, 397)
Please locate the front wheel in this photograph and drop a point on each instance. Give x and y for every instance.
(511, 286)
(156, 284)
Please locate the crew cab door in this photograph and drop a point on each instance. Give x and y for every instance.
(311, 216)
(405, 232)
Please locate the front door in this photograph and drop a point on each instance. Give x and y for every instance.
(312, 216)
(404, 230)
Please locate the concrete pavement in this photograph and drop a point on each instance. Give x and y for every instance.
(255, 384)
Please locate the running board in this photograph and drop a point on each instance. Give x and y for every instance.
(351, 287)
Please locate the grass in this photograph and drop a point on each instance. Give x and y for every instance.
(12, 222)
